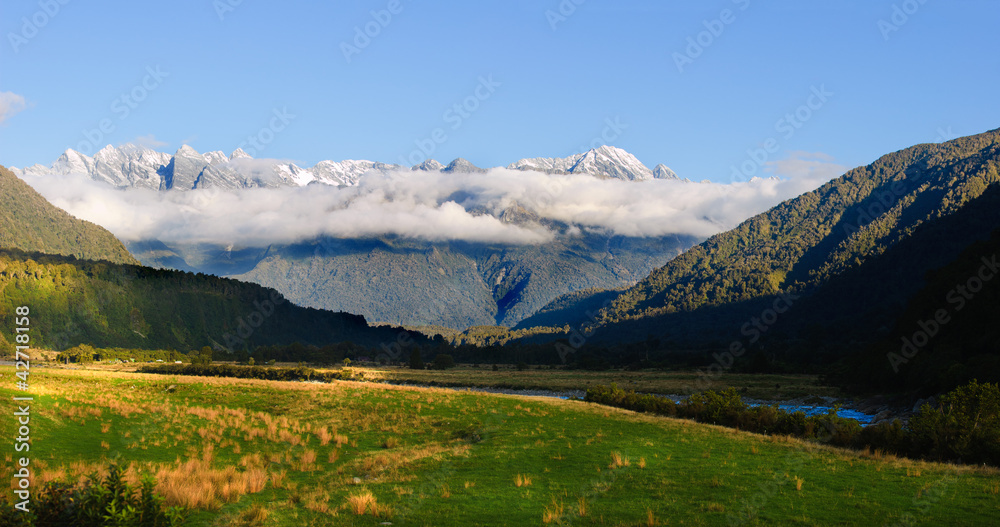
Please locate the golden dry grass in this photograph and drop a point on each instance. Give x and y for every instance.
(365, 502)
(618, 461)
(553, 513)
(253, 515)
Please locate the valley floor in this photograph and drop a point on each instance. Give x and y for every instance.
(246, 452)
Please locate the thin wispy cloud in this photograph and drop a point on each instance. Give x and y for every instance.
(808, 165)
(10, 104)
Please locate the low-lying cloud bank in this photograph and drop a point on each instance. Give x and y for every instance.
(432, 206)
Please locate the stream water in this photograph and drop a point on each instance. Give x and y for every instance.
(861, 417)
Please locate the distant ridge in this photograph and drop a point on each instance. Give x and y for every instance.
(133, 166)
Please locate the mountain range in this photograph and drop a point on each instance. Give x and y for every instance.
(390, 279)
(135, 166)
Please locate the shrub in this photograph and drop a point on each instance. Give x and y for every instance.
(885, 436)
(443, 361)
(99, 502)
(966, 426)
(416, 363)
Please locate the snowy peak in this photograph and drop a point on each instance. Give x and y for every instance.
(662, 171)
(612, 162)
(216, 158)
(135, 166)
(605, 162)
(463, 166)
(239, 154)
(428, 166)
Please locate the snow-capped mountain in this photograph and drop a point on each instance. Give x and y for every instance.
(134, 166)
(607, 161)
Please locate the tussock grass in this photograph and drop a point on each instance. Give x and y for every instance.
(619, 461)
(553, 513)
(225, 444)
(364, 502)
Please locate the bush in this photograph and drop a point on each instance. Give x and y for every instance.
(443, 361)
(99, 502)
(416, 363)
(887, 437)
(965, 427)
(241, 372)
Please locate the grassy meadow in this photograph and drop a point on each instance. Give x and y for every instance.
(248, 452)
(761, 386)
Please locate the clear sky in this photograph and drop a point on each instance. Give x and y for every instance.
(892, 73)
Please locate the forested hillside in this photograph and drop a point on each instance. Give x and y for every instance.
(30, 223)
(844, 271)
(805, 241)
(117, 305)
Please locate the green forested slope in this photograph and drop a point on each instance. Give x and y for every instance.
(858, 258)
(803, 242)
(117, 305)
(30, 223)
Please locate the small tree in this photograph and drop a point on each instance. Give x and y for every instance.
(965, 426)
(443, 361)
(203, 357)
(251, 362)
(416, 363)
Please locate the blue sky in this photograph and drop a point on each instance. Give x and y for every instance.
(892, 73)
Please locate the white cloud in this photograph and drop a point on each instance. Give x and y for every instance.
(424, 205)
(807, 165)
(10, 104)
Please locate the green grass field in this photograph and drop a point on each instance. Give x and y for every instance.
(761, 386)
(242, 452)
